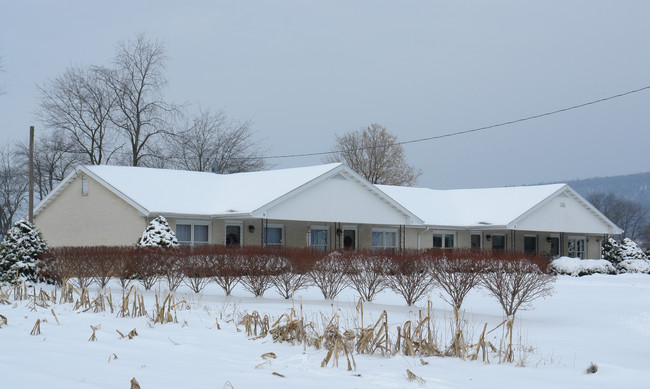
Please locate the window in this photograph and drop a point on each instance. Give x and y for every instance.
(475, 241)
(318, 238)
(498, 242)
(576, 247)
(84, 185)
(233, 234)
(530, 244)
(192, 234)
(349, 238)
(273, 235)
(555, 246)
(384, 239)
(441, 240)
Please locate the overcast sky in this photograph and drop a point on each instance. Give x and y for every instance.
(306, 71)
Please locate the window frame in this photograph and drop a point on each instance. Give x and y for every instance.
(505, 242)
(192, 224)
(384, 231)
(443, 239)
(577, 253)
(480, 239)
(325, 246)
(536, 249)
(282, 235)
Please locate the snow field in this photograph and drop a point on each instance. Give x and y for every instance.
(599, 318)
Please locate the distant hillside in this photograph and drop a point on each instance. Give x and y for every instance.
(632, 186)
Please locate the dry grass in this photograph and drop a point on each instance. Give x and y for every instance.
(256, 326)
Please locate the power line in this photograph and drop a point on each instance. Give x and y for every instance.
(448, 135)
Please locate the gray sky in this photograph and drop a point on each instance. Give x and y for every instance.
(305, 71)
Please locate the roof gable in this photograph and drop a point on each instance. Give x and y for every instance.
(488, 207)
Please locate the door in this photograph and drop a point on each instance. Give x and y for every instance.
(349, 238)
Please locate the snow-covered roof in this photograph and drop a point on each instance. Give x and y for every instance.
(486, 207)
(164, 191)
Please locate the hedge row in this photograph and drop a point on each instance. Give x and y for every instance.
(408, 272)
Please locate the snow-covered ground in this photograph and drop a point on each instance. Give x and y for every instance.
(602, 319)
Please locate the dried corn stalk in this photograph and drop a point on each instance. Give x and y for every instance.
(93, 337)
(37, 328)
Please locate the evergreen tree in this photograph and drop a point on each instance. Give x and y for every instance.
(158, 233)
(630, 250)
(611, 251)
(19, 253)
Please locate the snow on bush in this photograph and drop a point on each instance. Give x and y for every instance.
(634, 266)
(581, 267)
(19, 253)
(616, 252)
(158, 233)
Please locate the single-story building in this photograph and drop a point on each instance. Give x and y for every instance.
(325, 207)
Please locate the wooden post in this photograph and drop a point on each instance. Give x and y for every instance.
(31, 174)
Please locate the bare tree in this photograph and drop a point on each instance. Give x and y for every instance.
(629, 215)
(210, 139)
(515, 285)
(137, 82)
(55, 156)
(79, 103)
(375, 154)
(13, 188)
(456, 277)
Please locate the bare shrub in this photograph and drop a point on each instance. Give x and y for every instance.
(367, 273)
(196, 267)
(409, 275)
(147, 266)
(259, 271)
(456, 278)
(170, 266)
(515, 284)
(288, 282)
(328, 274)
(227, 271)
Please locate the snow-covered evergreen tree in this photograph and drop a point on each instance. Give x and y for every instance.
(19, 253)
(611, 251)
(630, 250)
(616, 252)
(158, 233)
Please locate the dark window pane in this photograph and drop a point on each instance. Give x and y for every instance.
(498, 242)
(476, 241)
(449, 241)
(437, 240)
(233, 235)
(530, 244)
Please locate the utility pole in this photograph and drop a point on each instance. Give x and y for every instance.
(31, 174)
